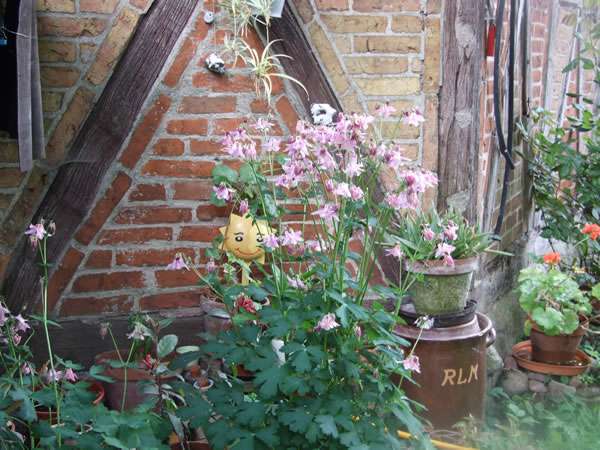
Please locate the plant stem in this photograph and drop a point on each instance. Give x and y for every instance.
(125, 377)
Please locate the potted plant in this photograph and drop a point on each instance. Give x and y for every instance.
(556, 309)
(310, 326)
(440, 253)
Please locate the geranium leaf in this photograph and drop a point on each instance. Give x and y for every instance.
(327, 424)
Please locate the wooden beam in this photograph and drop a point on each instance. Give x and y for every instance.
(292, 41)
(74, 189)
(462, 60)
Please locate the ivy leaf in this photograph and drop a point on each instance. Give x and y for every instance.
(166, 345)
(327, 424)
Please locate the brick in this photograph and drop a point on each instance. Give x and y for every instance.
(386, 5)
(351, 103)
(9, 152)
(400, 105)
(407, 24)
(173, 300)
(87, 51)
(188, 126)
(144, 131)
(99, 259)
(192, 190)
(10, 178)
(206, 148)
(387, 44)
(287, 113)
(148, 192)
(52, 101)
(434, 6)
(113, 46)
(144, 5)
(70, 27)
(62, 275)
(259, 106)
(395, 130)
(58, 76)
(88, 306)
(178, 168)
(304, 9)
(69, 124)
(209, 212)
(98, 6)
(104, 208)
(389, 86)
(135, 236)
(198, 234)
(108, 281)
(342, 44)
(354, 24)
(169, 147)
(376, 64)
(329, 58)
(185, 54)
(175, 278)
(57, 51)
(150, 257)
(223, 83)
(153, 214)
(432, 63)
(332, 5)
(223, 126)
(5, 200)
(67, 6)
(207, 105)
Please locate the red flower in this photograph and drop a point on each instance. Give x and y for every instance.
(552, 258)
(592, 230)
(245, 303)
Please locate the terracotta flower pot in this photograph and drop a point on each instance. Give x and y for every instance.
(440, 288)
(95, 387)
(560, 349)
(136, 379)
(215, 318)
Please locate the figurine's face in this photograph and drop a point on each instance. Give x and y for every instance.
(244, 238)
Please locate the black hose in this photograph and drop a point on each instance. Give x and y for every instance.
(504, 147)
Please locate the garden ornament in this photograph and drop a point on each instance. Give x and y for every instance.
(322, 113)
(215, 64)
(243, 236)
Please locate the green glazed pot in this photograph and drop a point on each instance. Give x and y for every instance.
(441, 289)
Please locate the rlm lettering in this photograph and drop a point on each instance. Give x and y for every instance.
(456, 377)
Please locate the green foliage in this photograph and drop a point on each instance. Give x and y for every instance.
(409, 233)
(552, 299)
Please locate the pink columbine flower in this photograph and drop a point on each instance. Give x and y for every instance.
(273, 145)
(54, 376)
(358, 331)
(292, 237)
(70, 375)
(451, 232)
(395, 251)
(356, 193)
(4, 315)
(297, 283)
(327, 212)
(398, 201)
(222, 192)
(16, 337)
(138, 333)
(211, 266)
(353, 167)
(428, 234)
(262, 125)
(178, 263)
(411, 363)
(342, 190)
(26, 369)
(444, 251)
(413, 118)
(329, 186)
(271, 241)
(36, 233)
(385, 110)
(243, 209)
(22, 324)
(327, 323)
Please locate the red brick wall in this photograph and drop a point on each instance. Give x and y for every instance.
(155, 202)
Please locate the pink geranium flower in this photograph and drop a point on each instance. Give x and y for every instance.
(327, 323)
(411, 363)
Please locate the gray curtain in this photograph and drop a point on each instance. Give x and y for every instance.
(30, 115)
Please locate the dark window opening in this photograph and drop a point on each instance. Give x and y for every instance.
(9, 23)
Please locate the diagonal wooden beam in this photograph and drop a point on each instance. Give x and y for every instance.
(72, 193)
